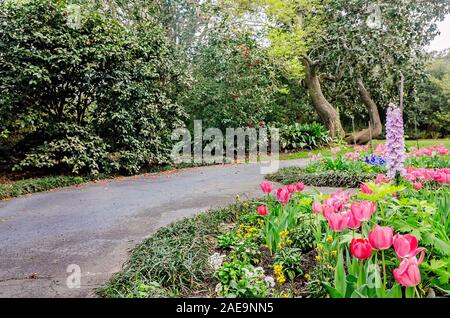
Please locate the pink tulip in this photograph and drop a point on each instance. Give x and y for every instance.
(338, 221)
(328, 209)
(291, 188)
(353, 223)
(266, 187)
(317, 207)
(365, 189)
(418, 186)
(381, 178)
(381, 237)
(363, 211)
(300, 186)
(283, 196)
(361, 249)
(406, 246)
(262, 210)
(335, 150)
(408, 273)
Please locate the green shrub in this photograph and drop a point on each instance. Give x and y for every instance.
(82, 90)
(321, 179)
(306, 136)
(71, 146)
(241, 280)
(234, 83)
(291, 260)
(302, 237)
(246, 250)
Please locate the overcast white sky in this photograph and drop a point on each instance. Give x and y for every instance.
(443, 41)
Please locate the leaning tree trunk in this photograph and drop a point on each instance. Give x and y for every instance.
(326, 111)
(376, 127)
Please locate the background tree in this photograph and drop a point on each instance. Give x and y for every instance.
(358, 46)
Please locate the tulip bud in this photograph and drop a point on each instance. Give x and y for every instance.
(361, 249)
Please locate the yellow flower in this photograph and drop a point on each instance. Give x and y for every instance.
(318, 258)
(329, 239)
(307, 276)
(330, 268)
(284, 295)
(279, 275)
(333, 253)
(319, 246)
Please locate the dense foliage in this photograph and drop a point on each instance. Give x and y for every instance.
(82, 92)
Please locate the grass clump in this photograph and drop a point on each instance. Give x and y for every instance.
(174, 261)
(27, 186)
(337, 179)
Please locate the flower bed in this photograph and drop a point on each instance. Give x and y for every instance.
(388, 240)
(355, 167)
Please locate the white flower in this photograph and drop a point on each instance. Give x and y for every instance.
(216, 260)
(270, 280)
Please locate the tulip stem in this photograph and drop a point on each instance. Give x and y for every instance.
(417, 292)
(360, 274)
(384, 268)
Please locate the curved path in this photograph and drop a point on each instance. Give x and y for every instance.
(95, 225)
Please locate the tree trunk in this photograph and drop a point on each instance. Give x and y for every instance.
(364, 136)
(326, 111)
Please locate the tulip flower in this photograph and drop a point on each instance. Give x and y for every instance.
(361, 249)
(335, 151)
(291, 188)
(283, 196)
(408, 273)
(328, 209)
(337, 221)
(406, 246)
(353, 223)
(317, 207)
(262, 210)
(381, 238)
(363, 211)
(300, 186)
(418, 186)
(381, 178)
(266, 187)
(365, 189)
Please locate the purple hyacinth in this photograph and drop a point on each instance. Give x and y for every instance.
(395, 141)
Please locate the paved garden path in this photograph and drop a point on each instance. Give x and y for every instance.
(95, 225)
